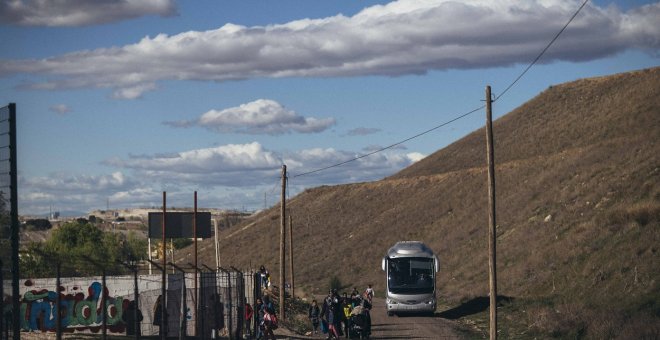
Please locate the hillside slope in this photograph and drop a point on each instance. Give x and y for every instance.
(578, 211)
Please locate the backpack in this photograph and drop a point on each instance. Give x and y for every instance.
(270, 319)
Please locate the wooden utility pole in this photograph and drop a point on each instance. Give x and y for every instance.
(282, 242)
(492, 231)
(162, 330)
(217, 250)
(293, 295)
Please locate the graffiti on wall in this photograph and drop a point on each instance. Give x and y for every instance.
(78, 311)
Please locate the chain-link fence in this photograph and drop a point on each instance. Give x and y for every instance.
(107, 305)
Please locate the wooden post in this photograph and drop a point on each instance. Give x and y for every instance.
(282, 242)
(136, 297)
(162, 331)
(293, 295)
(104, 307)
(217, 251)
(492, 231)
(58, 301)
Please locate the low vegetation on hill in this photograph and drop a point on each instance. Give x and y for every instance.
(578, 214)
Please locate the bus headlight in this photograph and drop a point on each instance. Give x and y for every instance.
(391, 302)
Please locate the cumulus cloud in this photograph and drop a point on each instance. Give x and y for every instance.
(230, 165)
(79, 12)
(402, 37)
(226, 174)
(237, 165)
(60, 109)
(262, 116)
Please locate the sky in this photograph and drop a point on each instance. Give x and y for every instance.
(120, 100)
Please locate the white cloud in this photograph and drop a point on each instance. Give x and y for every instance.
(232, 165)
(225, 175)
(79, 12)
(402, 37)
(60, 109)
(69, 192)
(262, 116)
(248, 165)
(415, 156)
(79, 183)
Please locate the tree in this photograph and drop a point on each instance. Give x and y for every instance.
(82, 248)
(180, 243)
(134, 247)
(39, 224)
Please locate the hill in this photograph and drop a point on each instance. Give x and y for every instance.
(578, 214)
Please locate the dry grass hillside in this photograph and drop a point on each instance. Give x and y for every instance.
(578, 212)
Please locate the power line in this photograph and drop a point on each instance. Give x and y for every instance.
(460, 116)
(542, 52)
(393, 145)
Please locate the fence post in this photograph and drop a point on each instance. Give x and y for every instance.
(182, 309)
(2, 301)
(240, 307)
(58, 301)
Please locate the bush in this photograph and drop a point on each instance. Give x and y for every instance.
(39, 224)
(335, 283)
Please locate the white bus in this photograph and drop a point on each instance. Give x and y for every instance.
(410, 268)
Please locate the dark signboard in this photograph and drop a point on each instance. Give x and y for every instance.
(179, 225)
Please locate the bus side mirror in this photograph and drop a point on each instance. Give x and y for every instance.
(437, 263)
(382, 264)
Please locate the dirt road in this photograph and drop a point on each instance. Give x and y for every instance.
(409, 326)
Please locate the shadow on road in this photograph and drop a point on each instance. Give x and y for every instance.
(474, 306)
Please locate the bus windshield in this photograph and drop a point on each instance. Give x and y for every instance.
(411, 275)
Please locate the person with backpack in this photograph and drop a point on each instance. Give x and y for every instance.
(331, 312)
(270, 318)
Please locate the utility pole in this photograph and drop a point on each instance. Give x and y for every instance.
(293, 295)
(282, 242)
(217, 251)
(492, 231)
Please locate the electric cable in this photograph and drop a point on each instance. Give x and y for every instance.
(538, 57)
(392, 145)
(542, 52)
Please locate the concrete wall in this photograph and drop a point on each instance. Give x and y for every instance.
(81, 303)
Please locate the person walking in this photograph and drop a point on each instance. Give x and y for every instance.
(129, 318)
(265, 277)
(331, 313)
(370, 293)
(249, 313)
(314, 314)
(259, 308)
(269, 314)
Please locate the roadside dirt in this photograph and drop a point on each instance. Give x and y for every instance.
(397, 327)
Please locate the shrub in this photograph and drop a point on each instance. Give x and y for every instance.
(335, 283)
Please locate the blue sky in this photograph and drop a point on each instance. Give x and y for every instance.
(120, 100)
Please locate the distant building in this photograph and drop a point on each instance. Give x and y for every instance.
(54, 216)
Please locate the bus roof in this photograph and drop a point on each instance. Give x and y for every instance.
(409, 249)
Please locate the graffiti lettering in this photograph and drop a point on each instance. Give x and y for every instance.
(78, 312)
